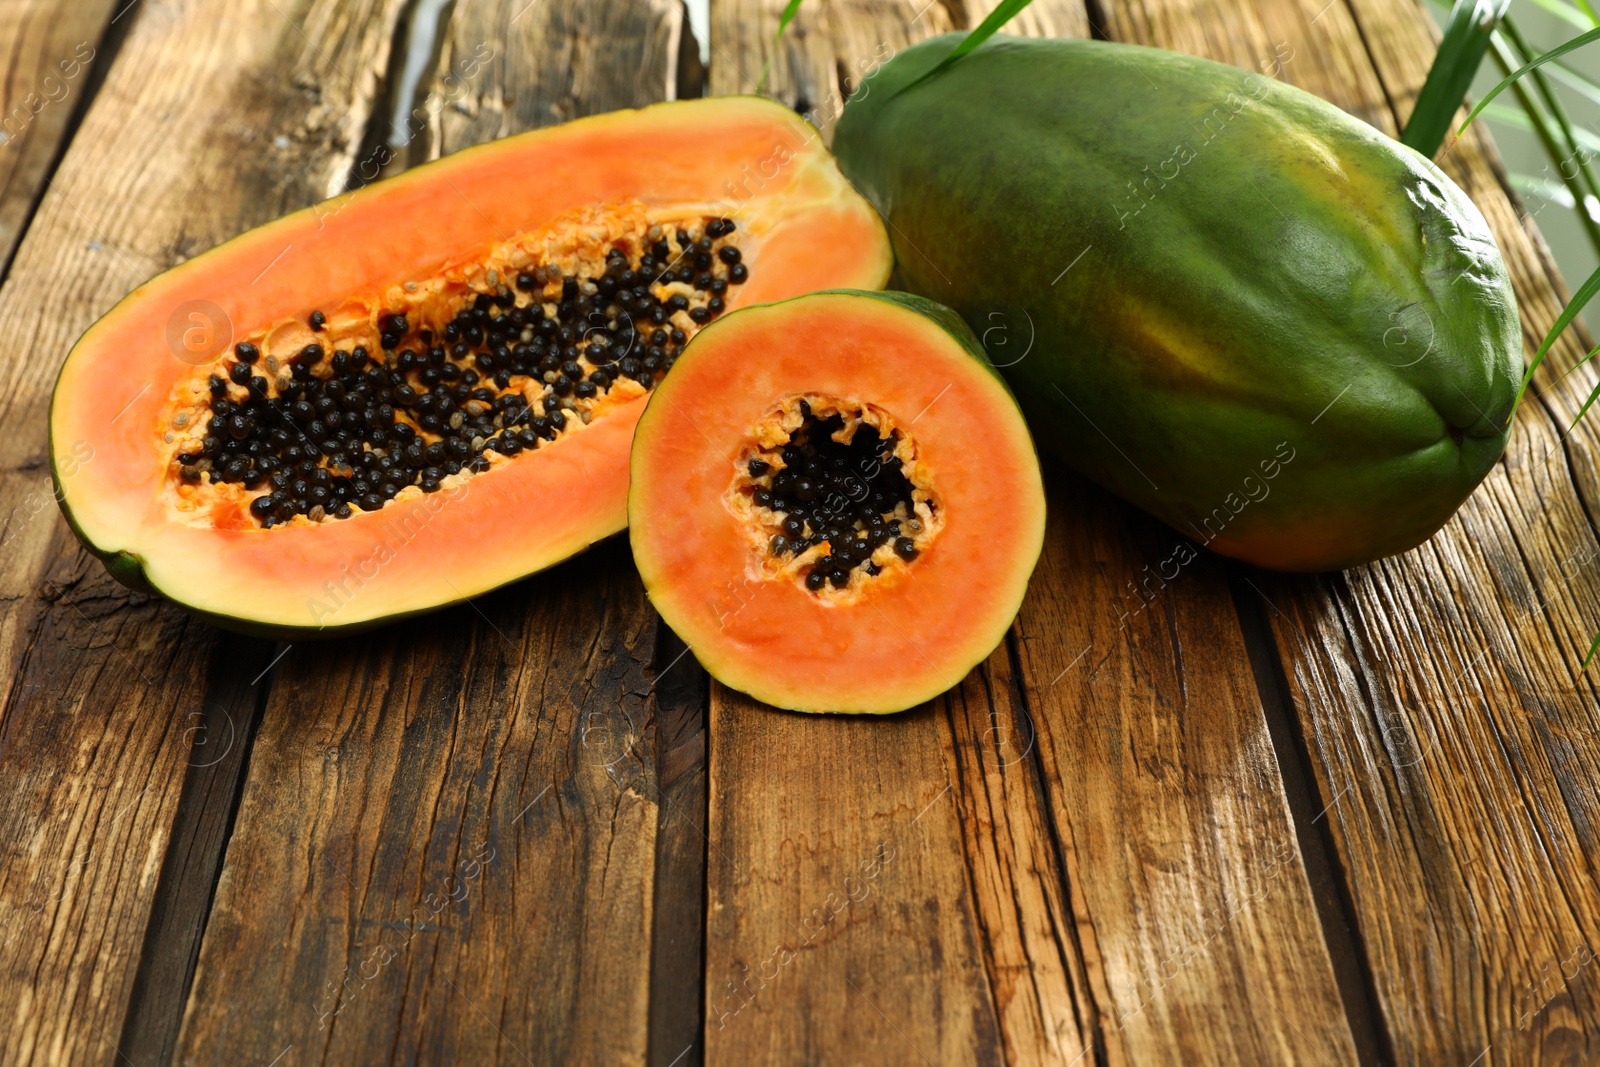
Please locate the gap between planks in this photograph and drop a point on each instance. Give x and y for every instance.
(1310, 814)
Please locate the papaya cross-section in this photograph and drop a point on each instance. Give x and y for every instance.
(835, 501)
(426, 388)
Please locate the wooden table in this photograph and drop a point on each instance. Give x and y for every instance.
(1237, 817)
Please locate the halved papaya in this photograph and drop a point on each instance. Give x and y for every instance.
(426, 388)
(835, 501)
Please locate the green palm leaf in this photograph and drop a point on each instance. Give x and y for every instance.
(1515, 116)
(1003, 13)
(1461, 51)
(1584, 294)
(1585, 187)
(1537, 61)
(1577, 80)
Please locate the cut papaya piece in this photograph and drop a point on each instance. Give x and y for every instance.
(835, 501)
(426, 388)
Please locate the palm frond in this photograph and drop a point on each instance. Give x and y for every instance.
(1584, 294)
(1461, 52)
(1516, 116)
(1576, 79)
(1576, 155)
(1537, 61)
(1559, 140)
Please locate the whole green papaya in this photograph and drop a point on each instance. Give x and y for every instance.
(1286, 335)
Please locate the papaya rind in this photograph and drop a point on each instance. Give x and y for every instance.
(1172, 360)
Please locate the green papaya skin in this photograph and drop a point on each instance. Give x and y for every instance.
(1286, 335)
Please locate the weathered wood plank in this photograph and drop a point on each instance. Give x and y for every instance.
(239, 675)
(840, 923)
(1122, 847)
(472, 806)
(1440, 703)
(823, 55)
(445, 842)
(1032, 955)
(108, 697)
(50, 48)
(1306, 44)
(1189, 890)
(677, 946)
(556, 62)
(1041, 18)
(828, 51)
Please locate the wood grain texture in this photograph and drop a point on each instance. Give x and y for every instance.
(841, 922)
(677, 944)
(1189, 892)
(1032, 956)
(447, 845)
(50, 48)
(1448, 727)
(1041, 18)
(553, 62)
(835, 44)
(219, 739)
(110, 698)
(1310, 45)
(823, 55)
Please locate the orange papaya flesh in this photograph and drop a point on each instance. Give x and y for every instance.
(835, 501)
(316, 426)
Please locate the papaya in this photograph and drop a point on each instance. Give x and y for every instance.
(835, 501)
(1257, 318)
(427, 388)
